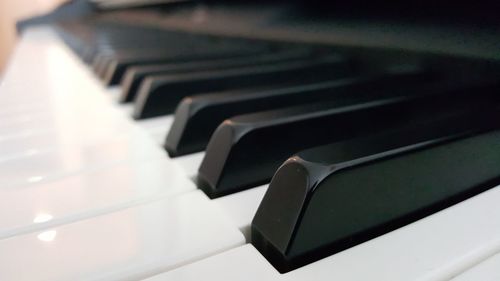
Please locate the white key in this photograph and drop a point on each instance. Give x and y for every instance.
(157, 127)
(437, 247)
(113, 93)
(126, 109)
(85, 195)
(190, 163)
(75, 104)
(24, 122)
(243, 263)
(158, 136)
(14, 109)
(52, 136)
(242, 206)
(57, 76)
(68, 160)
(127, 245)
(488, 270)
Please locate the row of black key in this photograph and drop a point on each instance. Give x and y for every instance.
(382, 148)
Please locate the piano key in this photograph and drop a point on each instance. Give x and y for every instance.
(241, 207)
(113, 93)
(63, 91)
(238, 264)
(190, 163)
(157, 127)
(24, 122)
(159, 95)
(380, 184)
(51, 164)
(135, 75)
(88, 194)
(23, 108)
(116, 68)
(245, 150)
(134, 243)
(62, 132)
(485, 271)
(197, 117)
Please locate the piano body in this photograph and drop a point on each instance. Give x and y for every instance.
(254, 140)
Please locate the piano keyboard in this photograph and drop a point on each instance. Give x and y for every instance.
(232, 159)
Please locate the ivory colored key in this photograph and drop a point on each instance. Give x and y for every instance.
(46, 165)
(486, 270)
(241, 207)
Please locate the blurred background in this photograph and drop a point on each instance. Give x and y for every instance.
(12, 11)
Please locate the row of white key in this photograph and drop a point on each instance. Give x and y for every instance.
(142, 196)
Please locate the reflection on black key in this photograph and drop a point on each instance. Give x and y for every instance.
(197, 117)
(346, 193)
(246, 150)
(134, 76)
(159, 95)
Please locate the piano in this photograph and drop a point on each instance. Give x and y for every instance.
(252, 140)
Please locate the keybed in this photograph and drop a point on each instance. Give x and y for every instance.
(132, 152)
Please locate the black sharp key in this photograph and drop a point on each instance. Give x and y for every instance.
(197, 117)
(245, 150)
(112, 72)
(343, 194)
(159, 95)
(134, 76)
(120, 62)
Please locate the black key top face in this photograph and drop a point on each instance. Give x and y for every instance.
(245, 150)
(344, 194)
(159, 95)
(197, 117)
(136, 75)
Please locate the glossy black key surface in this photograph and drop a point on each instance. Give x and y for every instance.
(197, 117)
(134, 76)
(159, 95)
(245, 150)
(343, 194)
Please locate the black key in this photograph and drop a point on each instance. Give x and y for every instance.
(120, 62)
(197, 117)
(245, 150)
(134, 76)
(343, 194)
(115, 66)
(159, 95)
